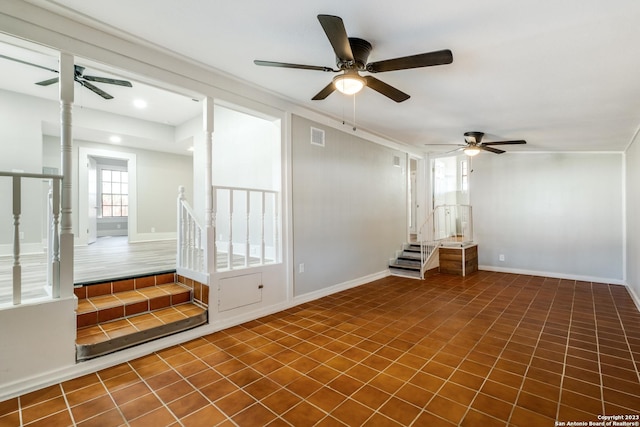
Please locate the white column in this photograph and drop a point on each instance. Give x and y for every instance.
(209, 214)
(66, 142)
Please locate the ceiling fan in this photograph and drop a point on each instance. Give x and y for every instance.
(474, 144)
(351, 58)
(78, 77)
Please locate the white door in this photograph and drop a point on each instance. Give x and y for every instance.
(92, 180)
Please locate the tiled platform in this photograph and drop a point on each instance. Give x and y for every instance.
(490, 349)
(118, 314)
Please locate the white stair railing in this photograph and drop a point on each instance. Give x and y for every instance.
(53, 232)
(192, 239)
(246, 223)
(446, 224)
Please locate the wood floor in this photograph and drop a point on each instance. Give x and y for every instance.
(108, 258)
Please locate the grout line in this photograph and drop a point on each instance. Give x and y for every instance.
(524, 375)
(566, 352)
(636, 364)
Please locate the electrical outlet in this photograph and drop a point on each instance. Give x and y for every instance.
(21, 235)
(301, 268)
(153, 229)
(501, 257)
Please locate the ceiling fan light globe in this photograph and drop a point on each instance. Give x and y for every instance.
(348, 84)
(471, 151)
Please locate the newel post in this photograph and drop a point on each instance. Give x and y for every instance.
(209, 216)
(67, 73)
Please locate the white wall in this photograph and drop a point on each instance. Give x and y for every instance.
(632, 168)
(349, 207)
(550, 214)
(21, 148)
(24, 147)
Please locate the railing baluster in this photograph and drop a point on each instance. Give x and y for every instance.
(263, 244)
(17, 269)
(55, 261)
(247, 249)
(230, 249)
(276, 231)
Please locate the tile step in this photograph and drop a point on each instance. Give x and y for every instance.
(98, 340)
(119, 305)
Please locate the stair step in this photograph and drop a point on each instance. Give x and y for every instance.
(405, 266)
(107, 337)
(119, 305)
(404, 272)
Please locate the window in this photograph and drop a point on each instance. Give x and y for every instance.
(115, 193)
(464, 174)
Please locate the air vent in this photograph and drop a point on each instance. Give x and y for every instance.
(396, 161)
(317, 137)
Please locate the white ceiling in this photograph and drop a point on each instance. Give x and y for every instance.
(561, 74)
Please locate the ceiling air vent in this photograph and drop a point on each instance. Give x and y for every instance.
(317, 137)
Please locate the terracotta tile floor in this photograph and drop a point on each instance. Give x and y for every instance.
(491, 349)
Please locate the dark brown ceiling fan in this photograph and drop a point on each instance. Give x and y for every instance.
(351, 58)
(78, 77)
(473, 144)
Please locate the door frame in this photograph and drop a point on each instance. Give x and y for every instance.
(83, 190)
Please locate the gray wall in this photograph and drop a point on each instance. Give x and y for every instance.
(349, 207)
(158, 177)
(632, 168)
(550, 213)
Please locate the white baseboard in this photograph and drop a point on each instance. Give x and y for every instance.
(552, 275)
(635, 297)
(150, 237)
(8, 391)
(25, 249)
(311, 296)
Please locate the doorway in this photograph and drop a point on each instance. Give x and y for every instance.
(108, 198)
(106, 173)
(450, 188)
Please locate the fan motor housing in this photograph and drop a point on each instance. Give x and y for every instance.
(360, 49)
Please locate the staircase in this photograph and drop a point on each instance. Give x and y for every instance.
(117, 314)
(410, 263)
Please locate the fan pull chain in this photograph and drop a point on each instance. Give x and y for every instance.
(354, 112)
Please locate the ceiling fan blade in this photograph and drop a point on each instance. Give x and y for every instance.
(385, 89)
(491, 149)
(298, 66)
(439, 57)
(455, 151)
(337, 35)
(28, 63)
(326, 91)
(518, 141)
(95, 89)
(108, 80)
(48, 82)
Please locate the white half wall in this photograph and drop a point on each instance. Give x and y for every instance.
(37, 340)
(556, 214)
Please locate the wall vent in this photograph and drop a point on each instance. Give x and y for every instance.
(317, 137)
(396, 161)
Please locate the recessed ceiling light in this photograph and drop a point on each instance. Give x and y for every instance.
(140, 103)
(115, 139)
